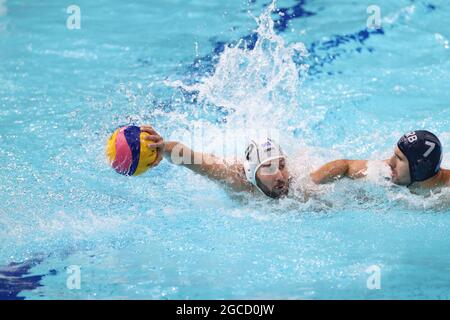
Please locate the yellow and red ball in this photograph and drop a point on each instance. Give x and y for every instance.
(128, 151)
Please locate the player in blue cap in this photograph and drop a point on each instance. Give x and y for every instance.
(416, 163)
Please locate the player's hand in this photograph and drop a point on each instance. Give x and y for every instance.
(154, 141)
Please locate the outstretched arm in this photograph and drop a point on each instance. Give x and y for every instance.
(208, 165)
(337, 169)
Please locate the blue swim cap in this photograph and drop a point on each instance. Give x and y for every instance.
(424, 152)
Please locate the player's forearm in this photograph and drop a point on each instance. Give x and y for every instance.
(168, 149)
(330, 171)
(354, 169)
(205, 164)
(179, 154)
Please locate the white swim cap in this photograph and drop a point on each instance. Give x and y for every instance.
(258, 153)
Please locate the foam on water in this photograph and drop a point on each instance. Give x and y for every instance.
(258, 87)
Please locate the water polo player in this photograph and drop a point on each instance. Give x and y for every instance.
(264, 166)
(416, 163)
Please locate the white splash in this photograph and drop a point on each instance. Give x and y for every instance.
(441, 40)
(259, 87)
(403, 14)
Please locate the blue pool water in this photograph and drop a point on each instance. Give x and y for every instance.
(218, 66)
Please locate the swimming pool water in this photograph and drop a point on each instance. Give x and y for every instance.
(189, 65)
